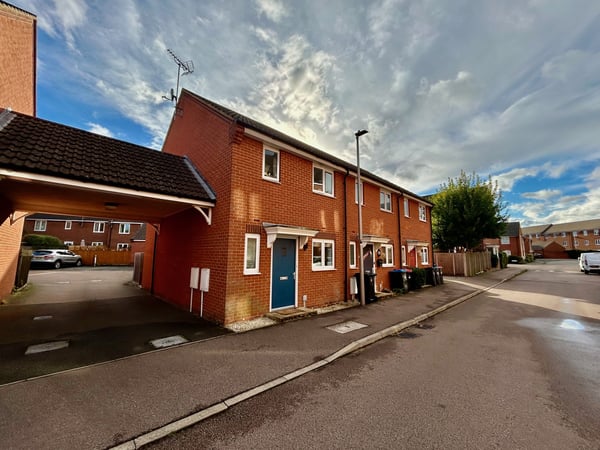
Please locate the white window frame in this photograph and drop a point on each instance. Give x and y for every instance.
(406, 207)
(424, 256)
(322, 244)
(98, 227)
(68, 224)
(123, 246)
(256, 269)
(596, 232)
(386, 204)
(352, 254)
(68, 243)
(97, 244)
(40, 225)
(265, 175)
(585, 232)
(576, 243)
(565, 244)
(597, 242)
(422, 213)
(322, 188)
(362, 185)
(574, 233)
(504, 240)
(124, 228)
(586, 242)
(404, 263)
(387, 253)
(563, 234)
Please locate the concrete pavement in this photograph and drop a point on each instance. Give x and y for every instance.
(132, 401)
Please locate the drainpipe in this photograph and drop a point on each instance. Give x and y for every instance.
(153, 261)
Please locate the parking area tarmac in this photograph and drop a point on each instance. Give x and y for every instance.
(75, 317)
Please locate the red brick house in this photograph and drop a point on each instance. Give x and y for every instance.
(114, 234)
(580, 236)
(284, 229)
(18, 30)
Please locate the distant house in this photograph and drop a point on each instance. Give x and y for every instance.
(512, 242)
(572, 237)
(114, 234)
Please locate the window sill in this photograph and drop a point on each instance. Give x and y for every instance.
(272, 180)
(252, 273)
(323, 269)
(324, 194)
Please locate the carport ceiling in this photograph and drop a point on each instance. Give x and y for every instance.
(51, 168)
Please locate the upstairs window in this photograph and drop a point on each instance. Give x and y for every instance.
(98, 227)
(406, 208)
(385, 201)
(124, 228)
(40, 225)
(574, 233)
(422, 213)
(596, 232)
(68, 225)
(323, 181)
(271, 165)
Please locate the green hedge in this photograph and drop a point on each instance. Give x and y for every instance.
(36, 241)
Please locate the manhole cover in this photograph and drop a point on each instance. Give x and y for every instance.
(168, 341)
(346, 327)
(46, 347)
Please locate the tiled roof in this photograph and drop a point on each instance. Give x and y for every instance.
(565, 227)
(512, 229)
(278, 135)
(29, 144)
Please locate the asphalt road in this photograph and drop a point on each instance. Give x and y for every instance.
(97, 311)
(516, 367)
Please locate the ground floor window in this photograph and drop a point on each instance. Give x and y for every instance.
(352, 255)
(122, 246)
(251, 254)
(424, 255)
(97, 244)
(323, 254)
(387, 255)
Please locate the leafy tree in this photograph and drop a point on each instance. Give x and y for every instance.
(466, 210)
(42, 241)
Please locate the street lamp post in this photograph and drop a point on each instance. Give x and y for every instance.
(361, 265)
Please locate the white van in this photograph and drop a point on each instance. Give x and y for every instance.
(589, 262)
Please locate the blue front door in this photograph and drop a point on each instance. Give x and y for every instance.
(284, 274)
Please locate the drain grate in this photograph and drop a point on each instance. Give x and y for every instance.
(168, 341)
(46, 347)
(347, 327)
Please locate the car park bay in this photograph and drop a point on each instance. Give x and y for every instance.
(79, 316)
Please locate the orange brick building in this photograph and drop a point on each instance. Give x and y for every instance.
(284, 230)
(17, 91)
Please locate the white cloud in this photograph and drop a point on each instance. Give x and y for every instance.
(99, 129)
(544, 194)
(507, 180)
(273, 9)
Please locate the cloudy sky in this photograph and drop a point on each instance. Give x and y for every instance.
(509, 88)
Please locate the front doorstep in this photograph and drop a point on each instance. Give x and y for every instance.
(285, 315)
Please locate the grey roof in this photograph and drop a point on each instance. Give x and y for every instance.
(513, 229)
(282, 137)
(29, 144)
(566, 227)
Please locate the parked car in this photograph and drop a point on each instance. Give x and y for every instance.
(55, 258)
(589, 262)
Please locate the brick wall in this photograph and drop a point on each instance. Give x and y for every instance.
(17, 91)
(10, 243)
(414, 229)
(17, 59)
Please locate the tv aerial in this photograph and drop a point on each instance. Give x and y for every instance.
(183, 68)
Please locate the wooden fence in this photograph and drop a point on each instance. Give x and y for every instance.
(100, 256)
(463, 264)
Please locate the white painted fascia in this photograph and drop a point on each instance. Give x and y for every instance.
(283, 146)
